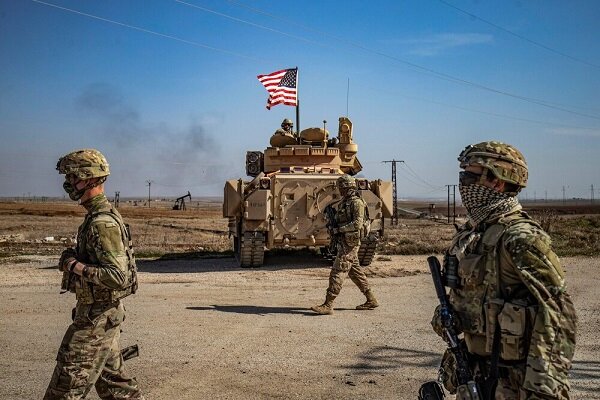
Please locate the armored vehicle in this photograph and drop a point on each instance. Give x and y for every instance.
(294, 180)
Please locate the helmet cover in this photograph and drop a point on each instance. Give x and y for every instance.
(84, 164)
(505, 161)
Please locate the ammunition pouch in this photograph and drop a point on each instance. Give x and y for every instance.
(83, 291)
(516, 322)
(470, 274)
(468, 301)
(88, 293)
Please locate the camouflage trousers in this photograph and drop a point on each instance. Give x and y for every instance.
(346, 262)
(89, 355)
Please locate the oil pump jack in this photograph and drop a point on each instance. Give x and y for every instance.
(180, 202)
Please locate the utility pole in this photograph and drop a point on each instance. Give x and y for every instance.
(564, 196)
(149, 183)
(395, 189)
(453, 203)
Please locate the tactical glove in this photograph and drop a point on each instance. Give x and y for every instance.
(66, 258)
(438, 327)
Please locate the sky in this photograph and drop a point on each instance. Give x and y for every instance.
(167, 89)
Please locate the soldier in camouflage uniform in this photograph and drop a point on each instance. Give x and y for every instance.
(100, 271)
(349, 224)
(284, 135)
(287, 127)
(507, 286)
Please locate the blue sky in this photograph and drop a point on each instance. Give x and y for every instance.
(167, 90)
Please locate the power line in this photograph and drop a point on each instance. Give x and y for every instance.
(493, 114)
(137, 28)
(438, 74)
(208, 10)
(419, 178)
(543, 46)
(407, 177)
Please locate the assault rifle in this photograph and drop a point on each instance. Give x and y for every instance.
(68, 278)
(467, 388)
(330, 224)
(67, 282)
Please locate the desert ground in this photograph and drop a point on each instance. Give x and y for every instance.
(208, 329)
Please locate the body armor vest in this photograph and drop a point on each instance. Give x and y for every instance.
(87, 292)
(479, 298)
(345, 216)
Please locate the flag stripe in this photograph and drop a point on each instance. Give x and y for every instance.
(282, 87)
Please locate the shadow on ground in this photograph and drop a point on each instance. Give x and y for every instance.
(255, 310)
(382, 358)
(586, 370)
(202, 262)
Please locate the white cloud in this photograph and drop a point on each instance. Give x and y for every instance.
(438, 43)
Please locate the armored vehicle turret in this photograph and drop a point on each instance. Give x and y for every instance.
(293, 181)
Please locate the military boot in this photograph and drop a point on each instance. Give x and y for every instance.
(325, 308)
(371, 302)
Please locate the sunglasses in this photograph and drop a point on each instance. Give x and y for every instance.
(468, 178)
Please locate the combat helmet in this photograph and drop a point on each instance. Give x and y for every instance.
(287, 121)
(505, 161)
(346, 182)
(84, 164)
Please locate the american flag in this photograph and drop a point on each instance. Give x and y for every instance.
(282, 87)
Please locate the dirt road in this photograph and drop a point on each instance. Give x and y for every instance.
(207, 329)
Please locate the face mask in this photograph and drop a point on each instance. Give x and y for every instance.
(72, 191)
(484, 203)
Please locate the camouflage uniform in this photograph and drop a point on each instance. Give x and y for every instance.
(510, 289)
(284, 135)
(350, 218)
(89, 354)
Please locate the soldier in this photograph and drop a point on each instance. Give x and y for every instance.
(287, 126)
(284, 136)
(349, 223)
(507, 286)
(100, 271)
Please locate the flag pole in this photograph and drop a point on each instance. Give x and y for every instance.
(297, 103)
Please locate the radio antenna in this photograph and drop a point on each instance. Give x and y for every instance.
(347, 96)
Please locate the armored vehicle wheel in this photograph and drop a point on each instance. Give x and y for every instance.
(250, 249)
(366, 251)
